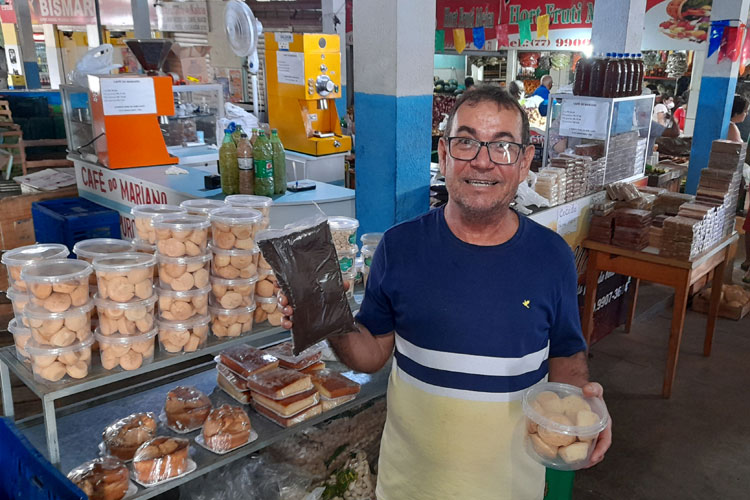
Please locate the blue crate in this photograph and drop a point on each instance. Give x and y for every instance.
(70, 220)
(25, 474)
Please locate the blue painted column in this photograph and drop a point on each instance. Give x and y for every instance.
(716, 95)
(393, 59)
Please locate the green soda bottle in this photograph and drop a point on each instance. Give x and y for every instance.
(279, 163)
(228, 165)
(263, 160)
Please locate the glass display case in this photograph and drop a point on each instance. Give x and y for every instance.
(197, 109)
(612, 133)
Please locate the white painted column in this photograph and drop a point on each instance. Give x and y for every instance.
(92, 35)
(54, 56)
(26, 44)
(337, 9)
(618, 26)
(699, 60)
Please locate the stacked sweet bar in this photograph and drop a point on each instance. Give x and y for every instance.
(682, 237)
(620, 156)
(575, 186)
(594, 174)
(729, 156)
(631, 228)
(669, 203)
(547, 186)
(656, 232)
(601, 228)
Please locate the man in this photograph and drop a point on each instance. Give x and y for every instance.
(480, 304)
(545, 85)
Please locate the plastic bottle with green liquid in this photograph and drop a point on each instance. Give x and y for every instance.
(228, 165)
(237, 133)
(263, 160)
(279, 163)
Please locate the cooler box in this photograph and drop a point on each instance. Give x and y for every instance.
(70, 220)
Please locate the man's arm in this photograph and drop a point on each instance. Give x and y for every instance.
(574, 370)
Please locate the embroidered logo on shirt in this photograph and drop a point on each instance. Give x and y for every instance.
(526, 303)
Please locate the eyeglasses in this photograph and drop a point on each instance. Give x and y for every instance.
(501, 152)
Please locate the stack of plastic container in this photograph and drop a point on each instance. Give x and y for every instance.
(184, 264)
(344, 234)
(15, 260)
(59, 316)
(369, 244)
(145, 236)
(125, 302)
(234, 270)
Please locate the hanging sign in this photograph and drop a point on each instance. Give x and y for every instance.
(567, 25)
(676, 25)
(68, 12)
(467, 14)
(7, 14)
(187, 17)
(583, 118)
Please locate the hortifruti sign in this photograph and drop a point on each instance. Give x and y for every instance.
(552, 24)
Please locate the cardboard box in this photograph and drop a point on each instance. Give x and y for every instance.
(189, 63)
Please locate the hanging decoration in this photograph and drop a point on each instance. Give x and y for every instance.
(459, 39)
(502, 35)
(542, 26)
(439, 40)
(524, 31)
(478, 34)
(716, 35)
(745, 57)
(731, 43)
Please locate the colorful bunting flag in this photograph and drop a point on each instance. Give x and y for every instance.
(459, 39)
(439, 40)
(478, 34)
(716, 35)
(502, 36)
(542, 26)
(524, 31)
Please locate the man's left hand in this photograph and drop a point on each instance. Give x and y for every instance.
(595, 390)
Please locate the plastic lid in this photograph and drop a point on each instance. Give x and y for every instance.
(369, 249)
(349, 252)
(235, 215)
(248, 200)
(97, 247)
(30, 253)
(124, 262)
(33, 311)
(14, 295)
(339, 223)
(562, 390)
(111, 304)
(56, 271)
(266, 300)
(154, 210)
(124, 339)
(180, 222)
(162, 292)
(17, 329)
(143, 246)
(34, 349)
(233, 251)
(235, 282)
(232, 312)
(184, 324)
(371, 238)
(202, 205)
(204, 257)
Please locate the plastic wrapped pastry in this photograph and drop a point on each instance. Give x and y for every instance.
(160, 459)
(124, 436)
(279, 383)
(226, 428)
(246, 361)
(186, 408)
(104, 478)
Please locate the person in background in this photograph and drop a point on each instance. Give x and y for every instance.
(456, 382)
(468, 82)
(680, 112)
(660, 113)
(739, 113)
(516, 89)
(545, 85)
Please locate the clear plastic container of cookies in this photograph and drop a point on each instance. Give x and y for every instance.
(231, 294)
(125, 277)
(144, 215)
(371, 239)
(181, 306)
(21, 337)
(184, 273)
(15, 260)
(267, 284)
(183, 336)
(60, 364)
(234, 227)
(231, 264)
(126, 352)
(90, 249)
(125, 318)
(344, 232)
(19, 300)
(260, 203)
(181, 235)
(202, 206)
(58, 284)
(267, 309)
(562, 427)
(231, 322)
(346, 259)
(351, 279)
(368, 251)
(59, 329)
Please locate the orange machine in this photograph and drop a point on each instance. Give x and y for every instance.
(126, 110)
(303, 79)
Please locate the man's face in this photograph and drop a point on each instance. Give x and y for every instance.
(549, 83)
(479, 187)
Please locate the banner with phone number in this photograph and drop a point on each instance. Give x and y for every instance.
(570, 23)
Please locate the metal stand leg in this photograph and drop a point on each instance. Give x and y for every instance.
(7, 390)
(50, 424)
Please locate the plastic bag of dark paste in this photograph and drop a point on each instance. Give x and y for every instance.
(304, 259)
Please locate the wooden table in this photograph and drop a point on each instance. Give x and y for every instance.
(678, 274)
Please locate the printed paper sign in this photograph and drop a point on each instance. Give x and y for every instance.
(128, 96)
(290, 67)
(567, 218)
(584, 118)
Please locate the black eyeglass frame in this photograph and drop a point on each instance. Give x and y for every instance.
(486, 144)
